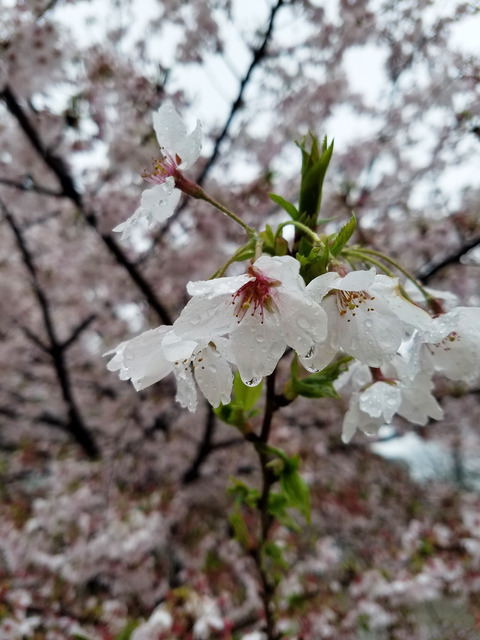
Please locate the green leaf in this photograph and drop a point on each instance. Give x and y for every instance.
(277, 507)
(274, 552)
(343, 236)
(243, 493)
(127, 630)
(296, 490)
(314, 168)
(286, 205)
(240, 529)
(245, 397)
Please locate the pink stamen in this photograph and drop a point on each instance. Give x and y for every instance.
(256, 292)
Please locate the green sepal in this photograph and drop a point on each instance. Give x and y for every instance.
(338, 241)
(286, 205)
(316, 385)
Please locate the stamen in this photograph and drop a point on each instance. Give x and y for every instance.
(256, 293)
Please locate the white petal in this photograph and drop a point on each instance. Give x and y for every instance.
(172, 135)
(303, 321)
(320, 286)
(257, 347)
(141, 359)
(203, 319)
(357, 280)
(372, 334)
(283, 268)
(186, 390)
(457, 356)
(157, 205)
(400, 306)
(381, 400)
(177, 349)
(217, 287)
(214, 376)
(322, 355)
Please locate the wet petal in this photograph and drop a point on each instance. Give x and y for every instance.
(214, 376)
(186, 389)
(217, 287)
(257, 347)
(303, 321)
(172, 135)
(285, 269)
(381, 400)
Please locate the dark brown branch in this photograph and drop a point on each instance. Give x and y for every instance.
(204, 449)
(78, 330)
(28, 185)
(453, 258)
(76, 425)
(259, 54)
(59, 168)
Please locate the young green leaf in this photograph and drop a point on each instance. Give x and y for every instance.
(286, 205)
(343, 236)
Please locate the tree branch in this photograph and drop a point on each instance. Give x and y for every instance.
(56, 350)
(259, 54)
(453, 258)
(59, 168)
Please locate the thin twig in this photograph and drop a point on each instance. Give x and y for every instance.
(56, 350)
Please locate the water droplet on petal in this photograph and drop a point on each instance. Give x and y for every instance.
(311, 368)
(253, 382)
(303, 323)
(368, 323)
(195, 321)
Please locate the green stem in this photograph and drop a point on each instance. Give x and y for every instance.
(219, 272)
(302, 227)
(402, 270)
(232, 216)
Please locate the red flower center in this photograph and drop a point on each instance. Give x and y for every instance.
(254, 295)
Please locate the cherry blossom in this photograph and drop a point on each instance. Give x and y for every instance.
(179, 152)
(367, 316)
(453, 344)
(154, 354)
(400, 387)
(262, 312)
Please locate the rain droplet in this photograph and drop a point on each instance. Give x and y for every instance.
(310, 353)
(368, 323)
(194, 321)
(303, 323)
(311, 368)
(253, 382)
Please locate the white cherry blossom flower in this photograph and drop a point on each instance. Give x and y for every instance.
(367, 317)
(453, 344)
(262, 312)
(154, 354)
(401, 387)
(179, 151)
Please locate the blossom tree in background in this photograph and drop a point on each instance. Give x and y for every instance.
(116, 521)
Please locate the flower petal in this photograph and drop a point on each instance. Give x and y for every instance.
(214, 376)
(172, 135)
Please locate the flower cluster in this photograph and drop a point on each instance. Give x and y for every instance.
(248, 321)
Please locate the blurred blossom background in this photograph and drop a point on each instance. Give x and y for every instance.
(114, 514)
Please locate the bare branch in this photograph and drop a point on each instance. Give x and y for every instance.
(56, 350)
